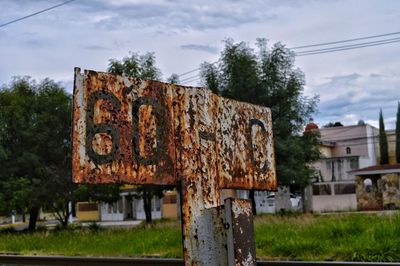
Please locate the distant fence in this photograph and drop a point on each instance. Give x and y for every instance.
(89, 261)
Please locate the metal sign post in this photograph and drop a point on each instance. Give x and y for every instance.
(128, 130)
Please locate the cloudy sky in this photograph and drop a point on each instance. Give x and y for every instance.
(352, 84)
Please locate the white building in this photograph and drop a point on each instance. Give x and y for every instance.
(343, 149)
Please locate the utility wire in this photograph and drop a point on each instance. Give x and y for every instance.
(336, 49)
(193, 80)
(343, 41)
(332, 49)
(351, 45)
(191, 71)
(186, 79)
(36, 13)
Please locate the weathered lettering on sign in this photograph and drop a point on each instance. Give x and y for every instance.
(128, 130)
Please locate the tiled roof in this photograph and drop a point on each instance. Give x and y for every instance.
(376, 169)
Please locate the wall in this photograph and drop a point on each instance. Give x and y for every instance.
(156, 204)
(369, 199)
(334, 203)
(326, 151)
(342, 165)
(333, 196)
(350, 136)
(112, 211)
(169, 206)
(391, 191)
(87, 211)
(170, 211)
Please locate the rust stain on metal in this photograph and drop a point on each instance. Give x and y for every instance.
(123, 130)
(128, 130)
(241, 246)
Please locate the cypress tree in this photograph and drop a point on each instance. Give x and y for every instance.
(383, 143)
(398, 134)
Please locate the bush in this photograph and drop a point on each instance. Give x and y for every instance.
(94, 227)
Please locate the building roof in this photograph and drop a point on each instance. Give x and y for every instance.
(378, 169)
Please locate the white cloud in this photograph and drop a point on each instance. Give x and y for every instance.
(354, 97)
(200, 47)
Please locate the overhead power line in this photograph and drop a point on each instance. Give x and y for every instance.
(332, 49)
(36, 13)
(191, 77)
(191, 71)
(193, 80)
(348, 40)
(347, 47)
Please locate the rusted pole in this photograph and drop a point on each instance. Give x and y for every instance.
(240, 232)
(204, 236)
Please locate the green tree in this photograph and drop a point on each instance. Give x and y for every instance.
(15, 195)
(97, 192)
(173, 79)
(34, 140)
(398, 133)
(136, 65)
(336, 124)
(144, 67)
(268, 77)
(209, 74)
(383, 143)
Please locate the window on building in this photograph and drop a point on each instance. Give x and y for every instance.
(328, 165)
(347, 188)
(323, 189)
(354, 163)
(339, 168)
(348, 150)
(169, 199)
(333, 172)
(120, 206)
(156, 204)
(87, 207)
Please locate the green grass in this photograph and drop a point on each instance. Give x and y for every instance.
(161, 240)
(343, 237)
(356, 237)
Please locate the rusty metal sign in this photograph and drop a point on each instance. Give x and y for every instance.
(127, 130)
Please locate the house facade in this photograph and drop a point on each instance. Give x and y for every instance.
(128, 207)
(343, 150)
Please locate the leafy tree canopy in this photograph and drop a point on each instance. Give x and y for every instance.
(136, 65)
(34, 143)
(383, 142)
(337, 124)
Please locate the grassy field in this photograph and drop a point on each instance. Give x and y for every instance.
(356, 237)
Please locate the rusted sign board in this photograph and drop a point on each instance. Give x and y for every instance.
(127, 130)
